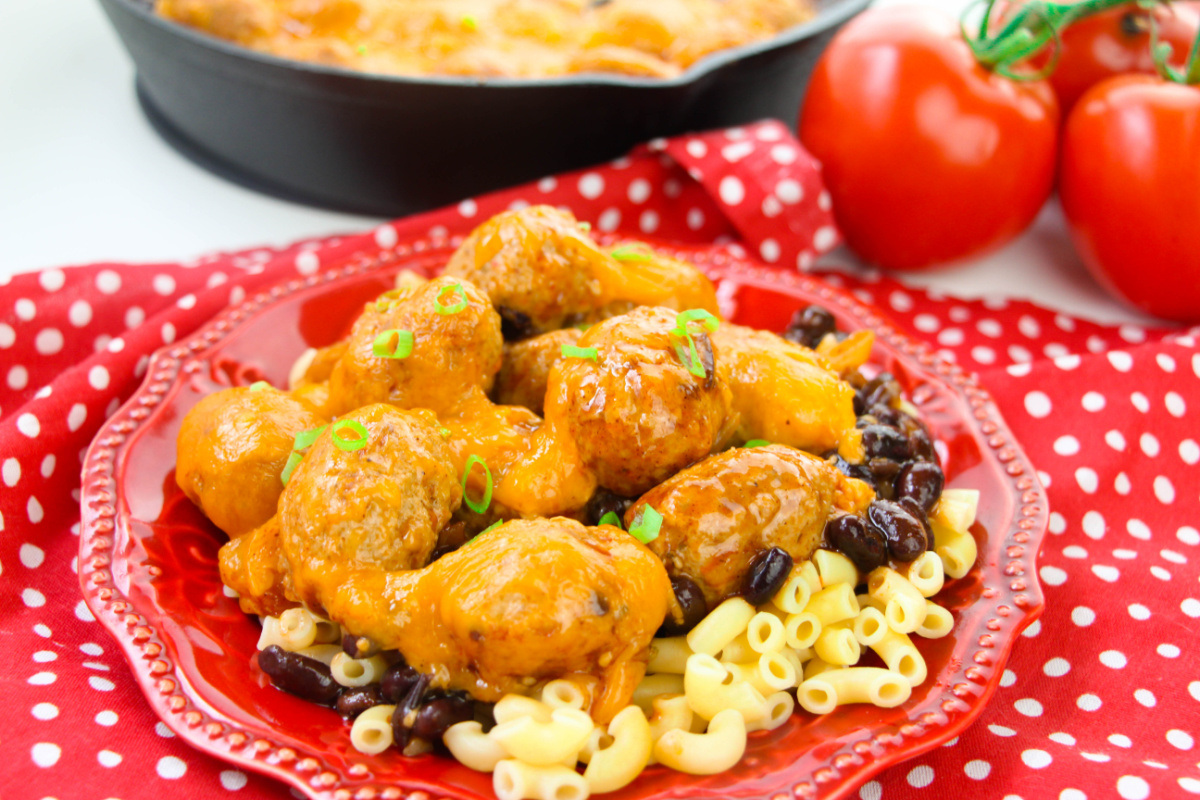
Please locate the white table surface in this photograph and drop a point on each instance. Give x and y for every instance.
(84, 178)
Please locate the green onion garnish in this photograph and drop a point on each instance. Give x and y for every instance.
(258, 386)
(349, 445)
(691, 359)
(490, 528)
(304, 439)
(469, 23)
(362, 49)
(445, 432)
(482, 506)
(585, 226)
(632, 252)
(689, 356)
(293, 461)
(756, 443)
(571, 351)
(611, 518)
(646, 528)
(454, 308)
(682, 319)
(382, 346)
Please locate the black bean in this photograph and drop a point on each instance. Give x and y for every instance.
(849, 534)
(603, 502)
(398, 679)
(691, 600)
(922, 482)
(884, 441)
(921, 445)
(405, 715)
(905, 535)
(768, 571)
(441, 550)
(358, 646)
(860, 405)
(809, 326)
(485, 715)
(356, 699)
(882, 389)
(515, 325)
(302, 676)
(860, 471)
(887, 415)
(920, 516)
(440, 713)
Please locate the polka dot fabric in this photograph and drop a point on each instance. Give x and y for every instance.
(1100, 699)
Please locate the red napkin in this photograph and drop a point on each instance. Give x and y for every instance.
(1102, 699)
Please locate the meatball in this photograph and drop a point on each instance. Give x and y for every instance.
(720, 513)
(535, 262)
(380, 506)
(783, 392)
(636, 414)
(232, 447)
(535, 599)
(254, 566)
(454, 355)
(653, 279)
(526, 369)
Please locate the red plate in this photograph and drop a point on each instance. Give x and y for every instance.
(148, 559)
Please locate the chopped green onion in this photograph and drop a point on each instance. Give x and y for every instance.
(611, 518)
(445, 432)
(691, 360)
(646, 528)
(682, 319)
(571, 351)
(304, 439)
(382, 346)
(258, 386)
(756, 443)
(349, 445)
(582, 326)
(490, 528)
(585, 226)
(632, 252)
(481, 506)
(469, 23)
(453, 308)
(689, 356)
(362, 49)
(293, 461)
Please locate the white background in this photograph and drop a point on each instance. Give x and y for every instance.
(84, 178)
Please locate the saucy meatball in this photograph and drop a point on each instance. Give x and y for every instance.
(783, 392)
(537, 599)
(381, 505)
(636, 413)
(232, 447)
(455, 354)
(526, 369)
(719, 514)
(254, 566)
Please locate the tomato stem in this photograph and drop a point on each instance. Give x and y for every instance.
(1026, 32)
(1162, 51)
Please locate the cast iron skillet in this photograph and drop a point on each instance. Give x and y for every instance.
(391, 146)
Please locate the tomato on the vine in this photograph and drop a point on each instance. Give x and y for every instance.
(1117, 42)
(1130, 186)
(928, 155)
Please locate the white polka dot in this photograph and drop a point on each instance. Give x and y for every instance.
(162, 730)
(1138, 611)
(84, 613)
(1066, 445)
(1194, 690)
(1140, 402)
(468, 208)
(1168, 650)
(1173, 557)
(1116, 440)
(1036, 759)
(824, 201)
(1008, 678)
(163, 284)
(1175, 404)
(732, 191)
(1099, 758)
(977, 769)
(1121, 483)
(769, 250)
(100, 684)
(608, 220)
(695, 219)
(48, 341)
(18, 378)
(696, 148)
(953, 337)
(134, 317)
(824, 239)
(547, 184)
(1145, 697)
(789, 191)
(1036, 403)
(1120, 740)
(11, 471)
(1088, 702)
(1019, 354)
(1106, 573)
(1019, 370)
(1120, 360)
(1113, 659)
(1056, 667)
(91, 649)
(639, 191)
(34, 510)
(1138, 529)
(1033, 630)
(44, 711)
(1000, 730)
(1053, 575)
(101, 342)
(1164, 490)
(1072, 794)
(1093, 401)
(1132, 333)
(648, 222)
(1188, 535)
(7, 336)
(108, 282)
(920, 777)
(42, 679)
(1065, 739)
(307, 263)
(1061, 355)
(871, 790)
(42, 631)
(108, 758)
(33, 598)
(76, 416)
(1131, 787)
(1029, 707)
(1029, 326)
(1087, 479)
(80, 313)
(1074, 551)
(232, 780)
(25, 309)
(1058, 523)
(107, 718)
(98, 377)
(984, 355)
(989, 328)
(927, 323)
(31, 556)
(45, 656)
(1191, 607)
(385, 237)
(771, 207)
(1180, 739)
(1094, 525)
(1190, 785)
(52, 279)
(783, 154)
(171, 768)
(45, 754)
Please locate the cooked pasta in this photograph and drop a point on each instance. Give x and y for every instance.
(904, 605)
(371, 732)
(833, 604)
(723, 624)
(901, 656)
(926, 573)
(708, 753)
(617, 765)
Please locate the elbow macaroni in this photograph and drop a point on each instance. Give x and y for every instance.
(705, 753)
(617, 765)
(722, 625)
(371, 732)
(903, 604)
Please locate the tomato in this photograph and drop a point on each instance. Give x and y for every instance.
(928, 156)
(1117, 42)
(1130, 186)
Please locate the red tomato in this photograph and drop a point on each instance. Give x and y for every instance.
(1117, 42)
(1130, 186)
(928, 156)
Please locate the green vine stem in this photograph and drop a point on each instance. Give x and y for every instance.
(1162, 51)
(1026, 32)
